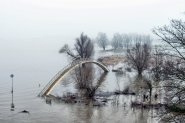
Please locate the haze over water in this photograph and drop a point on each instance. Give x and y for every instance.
(32, 32)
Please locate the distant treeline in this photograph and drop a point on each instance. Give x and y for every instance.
(120, 41)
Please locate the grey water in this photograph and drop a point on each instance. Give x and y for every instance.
(33, 71)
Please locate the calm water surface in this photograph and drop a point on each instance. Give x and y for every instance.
(31, 70)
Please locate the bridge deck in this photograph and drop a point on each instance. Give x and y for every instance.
(61, 74)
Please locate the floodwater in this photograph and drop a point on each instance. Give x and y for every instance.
(31, 74)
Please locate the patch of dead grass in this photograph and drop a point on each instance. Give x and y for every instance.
(112, 60)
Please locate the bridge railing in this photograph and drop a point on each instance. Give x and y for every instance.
(58, 74)
(90, 59)
(54, 78)
(75, 62)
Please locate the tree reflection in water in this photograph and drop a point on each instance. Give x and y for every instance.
(88, 80)
(117, 109)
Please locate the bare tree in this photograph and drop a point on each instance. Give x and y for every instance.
(174, 35)
(85, 80)
(84, 74)
(84, 48)
(139, 55)
(127, 41)
(68, 51)
(117, 41)
(102, 40)
(173, 68)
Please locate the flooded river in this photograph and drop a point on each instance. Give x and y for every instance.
(32, 74)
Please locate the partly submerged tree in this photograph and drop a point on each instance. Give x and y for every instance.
(139, 55)
(83, 48)
(102, 40)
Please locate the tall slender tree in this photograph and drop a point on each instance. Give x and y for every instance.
(102, 40)
(117, 41)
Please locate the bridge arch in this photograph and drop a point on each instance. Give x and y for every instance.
(61, 74)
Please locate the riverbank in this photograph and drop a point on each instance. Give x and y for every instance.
(112, 59)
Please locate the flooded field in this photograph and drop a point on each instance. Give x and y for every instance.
(29, 81)
(92, 61)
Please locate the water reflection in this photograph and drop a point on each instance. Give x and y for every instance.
(87, 80)
(83, 114)
(12, 104)
(48, 100)
(115, 104)
(116, 109)
(146, 90)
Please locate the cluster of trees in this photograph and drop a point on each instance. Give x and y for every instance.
(118, 41)
(167, 63)
(138, 53)
(168, 66)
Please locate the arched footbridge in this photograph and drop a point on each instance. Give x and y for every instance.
(61, 74)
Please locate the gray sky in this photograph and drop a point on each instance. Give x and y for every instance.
(33, 31)
(28, 24)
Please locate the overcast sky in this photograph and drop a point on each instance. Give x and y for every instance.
(33, 31)
(28, 24)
